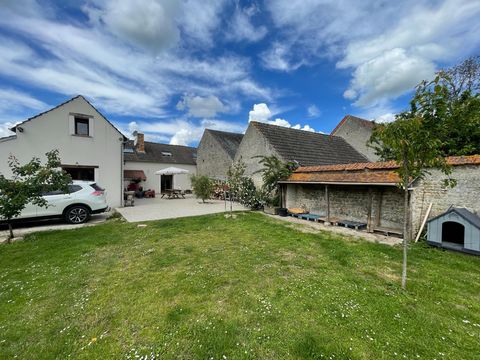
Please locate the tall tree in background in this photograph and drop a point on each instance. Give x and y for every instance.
(450, 107)
(409, 141)
(28, 183)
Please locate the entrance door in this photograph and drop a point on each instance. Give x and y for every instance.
(453, 232)
(166, 182)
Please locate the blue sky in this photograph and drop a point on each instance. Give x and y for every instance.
(171, 68)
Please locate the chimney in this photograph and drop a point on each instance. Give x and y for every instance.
(139, 142)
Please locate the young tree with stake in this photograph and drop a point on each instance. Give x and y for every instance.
(28, 183)
(416, 150)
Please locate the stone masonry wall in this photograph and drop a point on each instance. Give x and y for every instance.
(254, 144)
(350, 202)
(430, 190)
(212, 160)
(357, 136)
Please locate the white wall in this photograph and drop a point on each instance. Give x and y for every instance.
(52, 131)
(180, 181)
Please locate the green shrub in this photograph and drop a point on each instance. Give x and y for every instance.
(202, 186)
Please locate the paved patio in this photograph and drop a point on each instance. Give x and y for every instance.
(158, 208)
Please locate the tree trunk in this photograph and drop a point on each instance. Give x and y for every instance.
(10, 237)
(405, 239)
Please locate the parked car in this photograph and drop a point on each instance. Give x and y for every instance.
(83, 199)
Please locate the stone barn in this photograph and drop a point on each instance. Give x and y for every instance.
(368, 193)
(456, 229)
(287, 144)
(357, 131)
(216, 152)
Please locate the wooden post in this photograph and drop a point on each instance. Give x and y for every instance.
(378, 215)
(327, 199)
(369, 210)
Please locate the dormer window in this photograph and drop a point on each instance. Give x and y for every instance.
(166, 153)
(82, 127)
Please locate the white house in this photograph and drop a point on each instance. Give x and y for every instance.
(90, 147)
(142, 159)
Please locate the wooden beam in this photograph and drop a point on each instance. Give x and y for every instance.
(423, 222)
(378, 215)
(327, 199)
(369, 210)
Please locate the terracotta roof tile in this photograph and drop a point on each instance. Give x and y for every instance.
(354, 177)
(363, 173)
(385, 165)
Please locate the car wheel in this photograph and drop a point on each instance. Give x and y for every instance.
(77, 214)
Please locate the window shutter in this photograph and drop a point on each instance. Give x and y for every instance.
(71, 124)
(91, 126)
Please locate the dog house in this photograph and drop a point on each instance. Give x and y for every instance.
(456, 229)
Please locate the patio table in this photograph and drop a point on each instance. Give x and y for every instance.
(173, 193)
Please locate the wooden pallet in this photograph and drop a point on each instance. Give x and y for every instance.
(388, 231)
(352, 224)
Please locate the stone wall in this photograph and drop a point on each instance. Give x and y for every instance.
(357, 136)
(212, 160)
(350, 202)
(431, 190)
(254, 144)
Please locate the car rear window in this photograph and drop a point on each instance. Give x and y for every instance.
(96, 187)
(74, 188)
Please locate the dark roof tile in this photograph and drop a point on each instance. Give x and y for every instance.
(153, 153)
(309, 148)
(229, 141)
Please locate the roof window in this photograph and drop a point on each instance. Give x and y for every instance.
(166, 153)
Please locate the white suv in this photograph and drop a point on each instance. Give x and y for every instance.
(83, 199)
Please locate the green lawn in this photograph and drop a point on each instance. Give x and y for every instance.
(248, 287)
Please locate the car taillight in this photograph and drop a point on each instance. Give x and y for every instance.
(97, 193)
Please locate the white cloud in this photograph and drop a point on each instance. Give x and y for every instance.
(388, 76)
(199, 19)
(181, 131)
(72, 58)
(241, 27)
(148, 23)
(204, 107)
(313, 111)
(278, 57)
(389, 47)
(385, 118)
(16, 106)
(262, 113)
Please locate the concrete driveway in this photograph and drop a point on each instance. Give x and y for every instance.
(158, 208)
(23, 228)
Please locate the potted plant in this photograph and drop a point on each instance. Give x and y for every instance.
(271, 204)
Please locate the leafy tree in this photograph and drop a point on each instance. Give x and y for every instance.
(273, 171)
(235, 175)
(28, 183)
(410, 142)
(450, 107)
(242, 187)
(202, 187)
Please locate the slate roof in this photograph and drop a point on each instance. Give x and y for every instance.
(227, 140)
(362, 122)
(153, 153)
(467, 215)
(309, 148)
